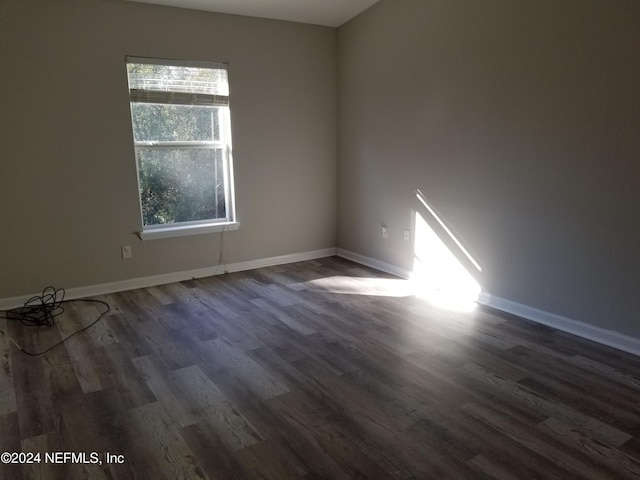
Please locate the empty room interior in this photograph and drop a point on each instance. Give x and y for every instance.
(373, 239)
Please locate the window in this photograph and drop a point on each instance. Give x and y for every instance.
(182, 137)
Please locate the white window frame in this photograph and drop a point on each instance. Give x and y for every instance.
(150, 232)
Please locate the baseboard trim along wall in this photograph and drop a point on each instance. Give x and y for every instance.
(374, 263)
(603, 336)
(610, 338)
(154, 280)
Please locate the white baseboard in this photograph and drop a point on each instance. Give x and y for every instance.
(151, 281)
(603, 336)
(373, 263)
(610, 338)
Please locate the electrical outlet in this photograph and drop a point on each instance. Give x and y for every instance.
(385, 233)
(126, 251)
(407, 236)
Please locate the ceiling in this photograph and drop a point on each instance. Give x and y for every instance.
(331, 13)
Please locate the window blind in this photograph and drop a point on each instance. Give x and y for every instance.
(177, 82)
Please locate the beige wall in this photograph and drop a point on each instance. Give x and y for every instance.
(68, 180)
(520, 122)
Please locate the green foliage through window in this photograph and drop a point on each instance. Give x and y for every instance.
(181, 185)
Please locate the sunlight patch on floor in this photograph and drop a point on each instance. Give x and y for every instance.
(417, 286)
(381, 287)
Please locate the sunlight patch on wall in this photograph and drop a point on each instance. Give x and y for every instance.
(437, 274)
(437, 218)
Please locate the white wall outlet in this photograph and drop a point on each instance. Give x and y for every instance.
(385, 233)
(407, 236)
(126, 251)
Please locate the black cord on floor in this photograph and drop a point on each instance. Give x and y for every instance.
(41, 310)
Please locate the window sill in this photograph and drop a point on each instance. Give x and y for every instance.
(185, 230)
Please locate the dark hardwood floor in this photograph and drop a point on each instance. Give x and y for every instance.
(311, 371)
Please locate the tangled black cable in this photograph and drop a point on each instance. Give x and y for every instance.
(41, 310)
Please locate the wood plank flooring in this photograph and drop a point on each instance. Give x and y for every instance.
(313, 370)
